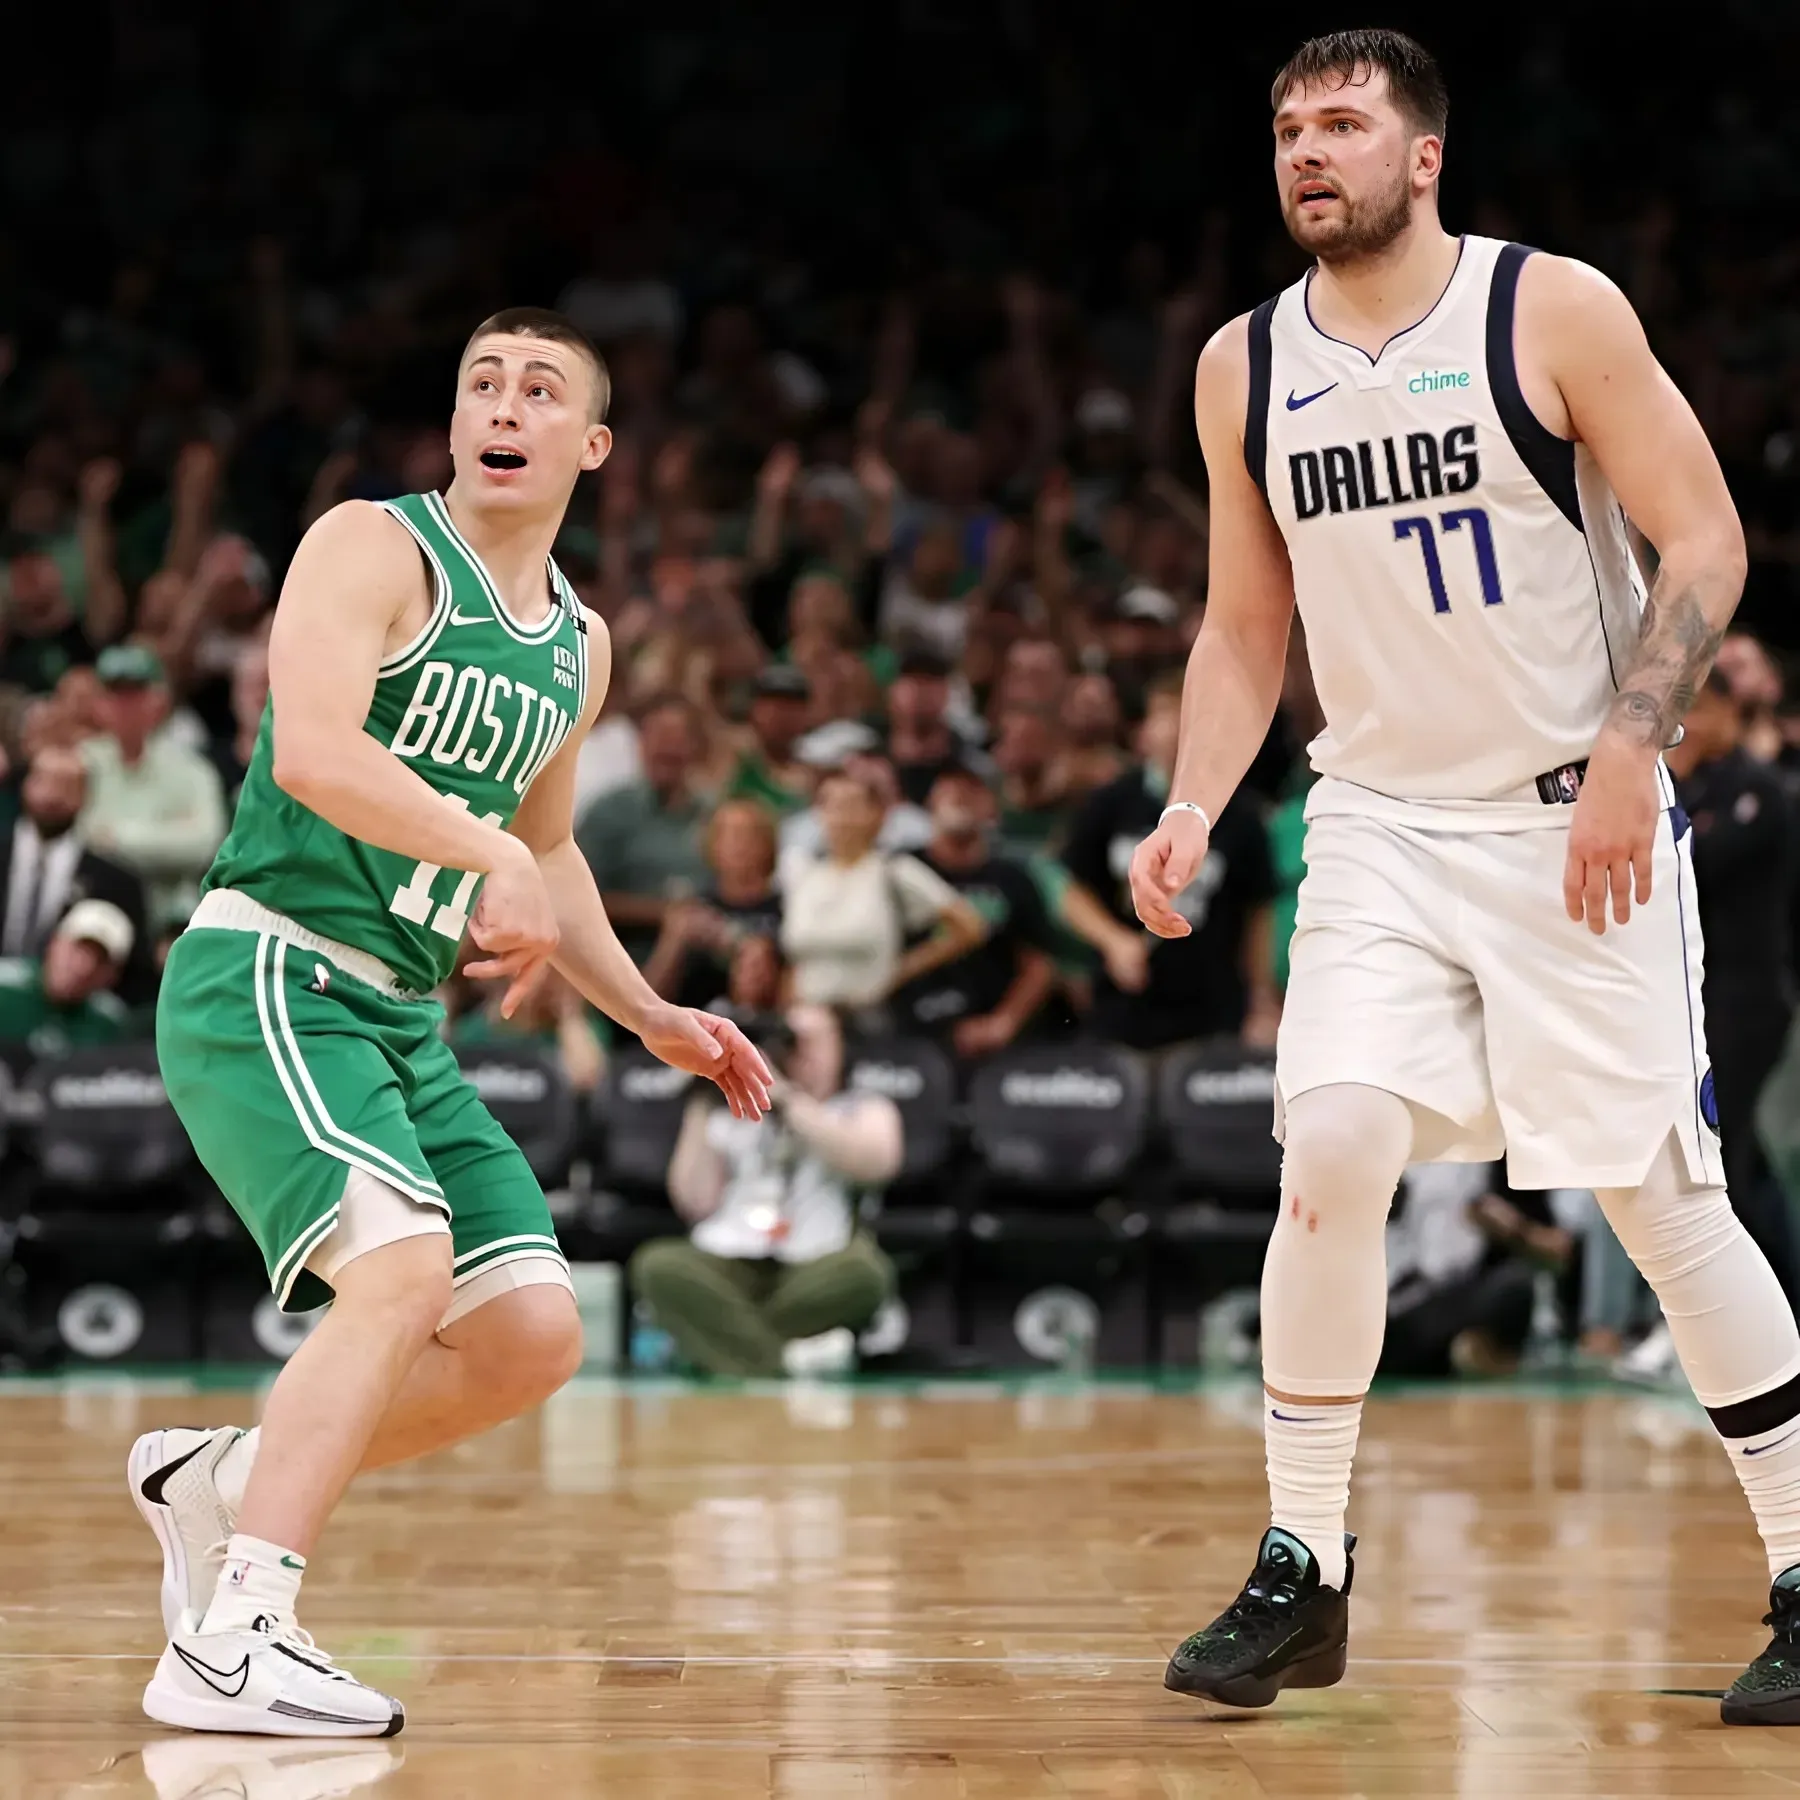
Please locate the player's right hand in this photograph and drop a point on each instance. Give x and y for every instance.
(516, 925)
(1163, 864)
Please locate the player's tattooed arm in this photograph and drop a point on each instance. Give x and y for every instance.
(1594, 378)
(1674, 652)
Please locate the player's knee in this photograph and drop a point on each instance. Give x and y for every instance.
(529, 1346)
(1343, 1150)
(408, 1284)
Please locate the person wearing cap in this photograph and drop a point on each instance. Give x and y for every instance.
(68, 999)
(154, 804)
(768, 770)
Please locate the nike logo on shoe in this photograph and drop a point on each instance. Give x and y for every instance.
(216, 1679)
(157, 1479)
(459, 617)
(1294, 405)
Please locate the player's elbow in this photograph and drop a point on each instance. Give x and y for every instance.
(299, 765)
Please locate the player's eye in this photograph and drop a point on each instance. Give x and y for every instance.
(541, 390)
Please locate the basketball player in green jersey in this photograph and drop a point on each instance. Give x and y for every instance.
(431, 679)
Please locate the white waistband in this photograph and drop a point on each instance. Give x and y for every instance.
(225, 909)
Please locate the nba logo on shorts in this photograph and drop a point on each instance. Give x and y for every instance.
(1709, 1101)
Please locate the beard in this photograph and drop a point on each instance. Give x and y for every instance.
(1365, 227)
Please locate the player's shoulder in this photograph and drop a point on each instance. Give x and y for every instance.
(358, 550)
(1568, 297)
(1222, 375)
(364, 532)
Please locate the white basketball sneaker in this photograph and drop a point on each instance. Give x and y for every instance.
(173, 1485)
(266, 1682)
(210, 1768)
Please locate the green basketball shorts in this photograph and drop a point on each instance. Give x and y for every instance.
(290, 1072)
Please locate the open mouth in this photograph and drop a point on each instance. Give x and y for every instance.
(1315, 196)
(502, 459)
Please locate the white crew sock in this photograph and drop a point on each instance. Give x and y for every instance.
(232, 1473)
(258, 1578)
(1768, 1466)
(1310, 1449)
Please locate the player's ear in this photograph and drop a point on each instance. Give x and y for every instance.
(1428, 157)
(597, 448)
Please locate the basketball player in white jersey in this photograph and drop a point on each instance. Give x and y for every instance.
(1431, 445)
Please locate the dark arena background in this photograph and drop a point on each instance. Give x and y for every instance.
(901, 306)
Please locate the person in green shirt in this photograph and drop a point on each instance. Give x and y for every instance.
(642, 841)
(69, 1000)
(768, 771)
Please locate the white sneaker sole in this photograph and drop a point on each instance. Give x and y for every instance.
(169, 1706)
(147, 1456)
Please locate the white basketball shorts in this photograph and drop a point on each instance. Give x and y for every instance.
(1441, 966)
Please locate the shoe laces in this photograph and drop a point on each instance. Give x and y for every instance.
(1783, 1616)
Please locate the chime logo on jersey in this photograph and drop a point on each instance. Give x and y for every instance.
(1384, 472)
(465, 716)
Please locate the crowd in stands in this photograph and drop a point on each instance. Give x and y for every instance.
(901, 546)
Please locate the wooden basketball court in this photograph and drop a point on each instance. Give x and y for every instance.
(923, 1593)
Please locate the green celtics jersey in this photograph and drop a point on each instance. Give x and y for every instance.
(477, 704)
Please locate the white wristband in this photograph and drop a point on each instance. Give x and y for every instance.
(1188, 806)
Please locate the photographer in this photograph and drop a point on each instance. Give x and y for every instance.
(775, 1275)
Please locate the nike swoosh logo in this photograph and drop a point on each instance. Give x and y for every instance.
(1764, 1449)
(1295, 405)
(158, 1478)
(459, 617)
(217, 1678)
(290, 1562)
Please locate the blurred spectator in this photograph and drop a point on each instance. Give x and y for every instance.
(249, 696)
(775, 1273)
(1091, 723)
(767, 770)
(847, 914)
(46, 865)
(1743, 830)
(1461, 1273)
(983, 999)
(1217, 979)
(824, 519)
(926, 601)
(852, 747)
(42, 639)
(553, 1016)
(642, 841)
(691, 963)
(1035, 813)
(153, 804)
(921, 744)
(69, 998)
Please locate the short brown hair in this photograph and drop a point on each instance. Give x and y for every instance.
(555, 328)
(1415, 82)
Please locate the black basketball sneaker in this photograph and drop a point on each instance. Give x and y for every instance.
(1284, 1630)
(1768, 1692)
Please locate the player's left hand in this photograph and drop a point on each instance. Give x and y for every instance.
(704, 1044)
(1612, 837)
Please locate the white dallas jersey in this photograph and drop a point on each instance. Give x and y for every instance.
(1463, 574)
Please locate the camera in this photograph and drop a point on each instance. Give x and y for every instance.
(772, 1036)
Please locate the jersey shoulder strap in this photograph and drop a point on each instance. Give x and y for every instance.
(1256, 407)
(1550, 459)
